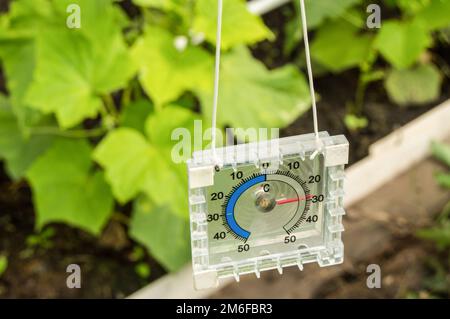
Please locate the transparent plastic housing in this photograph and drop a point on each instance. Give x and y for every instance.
(267, 205)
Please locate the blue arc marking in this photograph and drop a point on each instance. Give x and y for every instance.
(229, 211)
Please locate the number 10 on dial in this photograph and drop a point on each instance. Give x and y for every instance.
(267, 205)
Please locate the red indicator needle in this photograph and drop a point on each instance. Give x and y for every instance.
(293, 200)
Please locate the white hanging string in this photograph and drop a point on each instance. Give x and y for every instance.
(217, 72)
(309, 67)
(216, 76)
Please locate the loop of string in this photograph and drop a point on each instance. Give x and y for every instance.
(216, 76)
(217, 72)
(309, 67)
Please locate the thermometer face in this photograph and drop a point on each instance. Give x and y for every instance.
(262, 210)
(254, 212)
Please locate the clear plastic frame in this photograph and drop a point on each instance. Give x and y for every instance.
(266, 205)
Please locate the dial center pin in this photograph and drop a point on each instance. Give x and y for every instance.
(265, 202)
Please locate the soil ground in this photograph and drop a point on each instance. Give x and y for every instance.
(38, 270)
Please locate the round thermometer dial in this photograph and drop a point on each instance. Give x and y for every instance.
(255, 211)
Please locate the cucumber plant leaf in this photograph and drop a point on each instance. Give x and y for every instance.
(134, 164)
(3, 264)
(320, 10)
(164, 72)
(239, 25)
(127, 159)
(17, 52)
(94, 59)
(409, 7)
(441, 152)
(66, 190)
(98, 30)
(161, 125)
(135, 114)
(436, 15)
(402, 42)
(162, 4)
(415, 86)
(440, 235)
(25, 17)
(17, 56)
(18, 151)
(443, 180)
(161, 129)
(253, 96)
(164, 233)
(332, 42)
(166, 184)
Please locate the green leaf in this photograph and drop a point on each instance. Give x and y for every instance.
(171, 168)
(440, 235)
(99, 31)
(18, 150)
(134, 164)
(355, 123)
(25, 17)
(164, 233)
(166, 184)
(419, 85)
(65, 189)
(135, 115)
(160, 4)
(320, 10)
(127, 159)
(164, 72)
(3, 265)
(293, 35)
(143, 270)
(239, 25)
(443, 180)
(75, 68)
(435, 15)
(17, 52)
(17, 55)
(411, 7)
(402, 42)
(332, 42)
(441, 152)
(182, 9)
(252, 96)
(161, 125)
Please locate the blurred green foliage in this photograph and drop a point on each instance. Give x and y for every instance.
(342, 40)
(440, 234)
(3, 264)
(438, 283)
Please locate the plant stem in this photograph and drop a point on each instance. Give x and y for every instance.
(69, 134)
(110, 106)
(126, 96)
(359, 98)
(137, 93)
